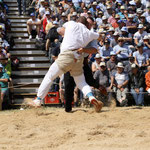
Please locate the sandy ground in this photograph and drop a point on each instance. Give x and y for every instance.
(53, 129)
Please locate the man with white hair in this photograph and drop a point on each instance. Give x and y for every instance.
(76, 37)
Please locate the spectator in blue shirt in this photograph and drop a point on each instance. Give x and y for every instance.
(122, 50)
(106, 50)
(141, 58)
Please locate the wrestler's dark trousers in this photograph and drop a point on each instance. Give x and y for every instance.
(70, 84)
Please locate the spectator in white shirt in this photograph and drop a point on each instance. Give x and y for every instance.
(139, 35)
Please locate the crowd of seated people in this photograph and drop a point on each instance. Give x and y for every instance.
(7, 63)
(123, 57)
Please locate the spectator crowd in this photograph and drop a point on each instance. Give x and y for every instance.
(122, 62)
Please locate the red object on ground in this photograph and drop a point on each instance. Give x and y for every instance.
(52, 98)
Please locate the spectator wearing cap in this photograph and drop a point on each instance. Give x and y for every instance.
(111, 18)
(142, 20)
(127, 37)
(139, 12)
(33, 25)
(60, 11)
(76, 3)
(147, 13)
(128, 66)
(42, 9)
(51, 36)
(72, 10)
(105, 25)
(131, 25)
(99, 18)
(119, 81)
(55, 7)
(133, 6)
(85, 3)
(146, 42)
(110, 33)
(93, 8)
(95, 64)
(112, 63)
(89, 14)
(114, 41)
(122, 50)
(102, 75)
(74, 16)
(115, 23)
(63, 19)
(121, 13)
(85, 12)
(139, 35)
(108, 11)
(105, 50)
(4, 78)
(141, 58)
(136, 82)
(46, 20)
(147, 80)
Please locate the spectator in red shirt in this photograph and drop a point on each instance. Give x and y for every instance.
(46, 20)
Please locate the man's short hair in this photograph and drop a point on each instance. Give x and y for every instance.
(82, 20)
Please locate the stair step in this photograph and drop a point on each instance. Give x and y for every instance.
(34, 65)
(10, 1)
(32, 59)
(18, 17)
(26, 90)
(15, 9)
(33, 68)
(21, 35)
(30, 73)
(16, 25)
(25, 41)
(24, 84)
(28, 55)
(27, 52)
(18, 29)
(21, 20)
(23, 46)
(26, 80)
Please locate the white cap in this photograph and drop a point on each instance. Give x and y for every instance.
(140, 26)
(133, 66)
(74, 14)
(55, 22)
(146, 37)
(102, 64)
(112, 53)
(116, 33)
(122, 7)
(47, 13)
(94, 3)
(42, 1)
(97, 56)
(125, 29)
(108, 7)
(139, 10)
(63, 14)
(120, 65)
(111, 29)
(132, 3)
(104, 18)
